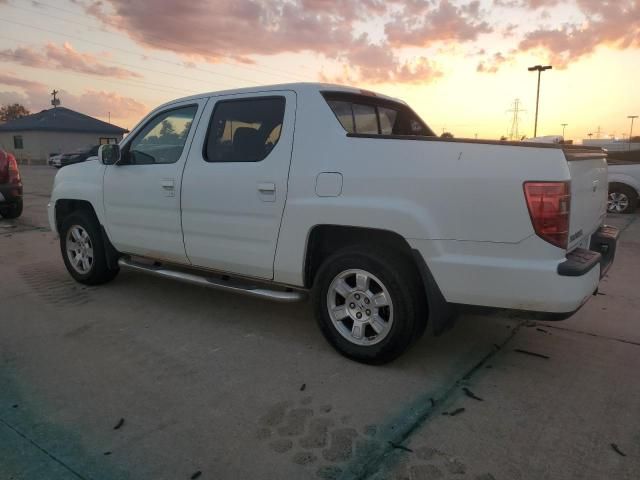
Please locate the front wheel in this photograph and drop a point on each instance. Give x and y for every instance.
(369, 303)
(622, 199)
(83, 249)
(12, 211)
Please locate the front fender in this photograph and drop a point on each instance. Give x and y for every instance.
(625, 179)
(82, 181)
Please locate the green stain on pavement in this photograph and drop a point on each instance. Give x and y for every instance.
(377, 459)
(34, 448)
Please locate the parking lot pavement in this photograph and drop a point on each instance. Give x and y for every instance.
(151, 379)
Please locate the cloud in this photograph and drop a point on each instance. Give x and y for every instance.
(65, 57)
(236, 30)
(421, 26)
(375, 63)
(614, 24)
(10, 79)
(35, 96)
(494, 62)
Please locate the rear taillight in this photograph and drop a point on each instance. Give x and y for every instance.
(549, 204)
(4, 168)
(14, 173)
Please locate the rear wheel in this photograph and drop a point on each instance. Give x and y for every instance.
(369, 303)
(622, 199)
(83, 249)
(13, 210)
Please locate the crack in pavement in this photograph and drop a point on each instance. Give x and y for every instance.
(604, 337)
(44, 450)
(373, 466)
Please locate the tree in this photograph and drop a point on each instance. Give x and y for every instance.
(446, 135)
(11, 112)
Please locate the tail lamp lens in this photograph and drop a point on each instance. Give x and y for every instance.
(549, 205)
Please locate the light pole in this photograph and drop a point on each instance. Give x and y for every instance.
(564, 125)
(632, 117)
(539, 69)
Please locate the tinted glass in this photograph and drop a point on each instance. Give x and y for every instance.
(366, 118)
(343, 112)
(244, 130)
(162, 139)
(366, 114)
(387, 119)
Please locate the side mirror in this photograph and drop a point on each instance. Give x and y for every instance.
(109, 154)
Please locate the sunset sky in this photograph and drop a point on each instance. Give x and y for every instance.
(459, 64)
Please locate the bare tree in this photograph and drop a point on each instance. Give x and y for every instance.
(11, 112)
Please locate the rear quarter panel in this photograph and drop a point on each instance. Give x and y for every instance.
(427, 190)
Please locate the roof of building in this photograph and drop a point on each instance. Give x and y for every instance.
(61, 119)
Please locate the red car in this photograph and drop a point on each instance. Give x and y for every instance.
(10, 186)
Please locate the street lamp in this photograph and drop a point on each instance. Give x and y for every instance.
(539, 69)
(564, 125)
(632, 117)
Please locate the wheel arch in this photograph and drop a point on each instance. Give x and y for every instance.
(325, 239)
(66, 206)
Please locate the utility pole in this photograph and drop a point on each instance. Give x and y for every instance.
(632, 117)
(539, 69)
(515, 119)
(598, 132)
(109, 114)
(564, 125)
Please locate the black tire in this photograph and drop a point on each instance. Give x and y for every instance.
(623, 192)
(402, 281)
(11, 211)
(98, 272)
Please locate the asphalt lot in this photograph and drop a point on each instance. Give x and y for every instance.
(232, 387)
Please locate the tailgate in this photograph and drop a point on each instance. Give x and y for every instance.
(589, 190)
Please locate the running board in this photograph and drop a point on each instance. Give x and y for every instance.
(220, 283)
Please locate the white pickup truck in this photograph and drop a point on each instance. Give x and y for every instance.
(345, 194)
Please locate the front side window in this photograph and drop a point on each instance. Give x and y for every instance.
(17, 142)
(163, 138)
(244, 130)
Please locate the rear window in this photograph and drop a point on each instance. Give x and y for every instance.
(363, 114)
(244, 130)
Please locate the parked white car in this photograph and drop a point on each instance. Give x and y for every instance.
(624, 186)
(345, 194)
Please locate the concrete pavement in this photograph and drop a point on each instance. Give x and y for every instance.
(231, 387)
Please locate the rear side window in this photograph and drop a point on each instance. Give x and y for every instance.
(244, 130)
(374, 116)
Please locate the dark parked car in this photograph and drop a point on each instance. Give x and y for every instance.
(77, 157)
(10, 186)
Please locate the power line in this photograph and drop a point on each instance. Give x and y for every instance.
(114, 62)
(139, 84)
(288, 77)
(278, 72)
(14, 22)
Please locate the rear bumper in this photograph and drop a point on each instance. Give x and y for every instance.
(531, 276)
(10, 193)
(602, 251)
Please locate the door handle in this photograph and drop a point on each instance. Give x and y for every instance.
(266, 187)
(168, 186)
(267, 191)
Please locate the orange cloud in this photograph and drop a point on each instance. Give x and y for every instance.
(613, 24)
(65, 57)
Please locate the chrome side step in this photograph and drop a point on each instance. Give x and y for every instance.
(217, 282)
